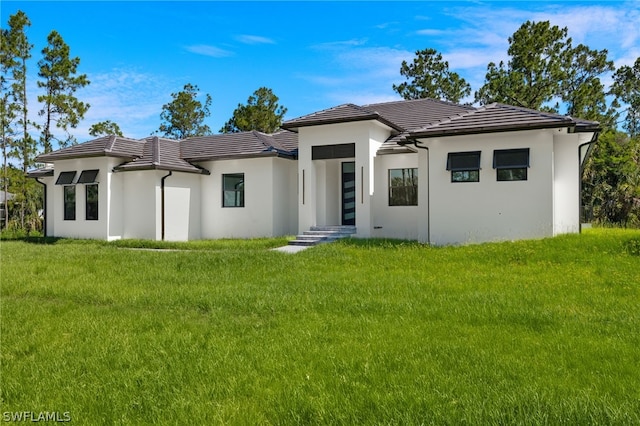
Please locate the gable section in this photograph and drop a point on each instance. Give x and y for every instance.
(106, 146)
(495, 118)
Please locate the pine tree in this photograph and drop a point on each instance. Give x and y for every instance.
(533, 75)
(61, 108)
(429, 77)
(17, 140)
(262, 113)
(183, 117)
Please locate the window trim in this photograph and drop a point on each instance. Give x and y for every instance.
(69, 206)
(414, 201)
(238, 202)
(505, 168)
(457, 171)
(87, 203)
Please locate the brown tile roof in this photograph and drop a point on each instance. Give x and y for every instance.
(161, 154)
(341, 114)
(499, 118)
(238, 145)
(413, 114)
(106, 146)
(400, 115)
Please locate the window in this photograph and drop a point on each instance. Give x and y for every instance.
(65, 178)
(464, 166)
(511, 164)
(92, 202)
(69, 202)
(403, 187)
(233, 190)
(88, 176)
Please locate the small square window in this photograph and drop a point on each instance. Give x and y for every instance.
(65, 178)
(88, 176)
(233, 190)
(403, 187)
(511, 164)
(464, 166)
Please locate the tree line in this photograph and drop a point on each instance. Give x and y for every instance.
(545, 71)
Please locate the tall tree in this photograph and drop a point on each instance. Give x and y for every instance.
(626, 87)
(184, 116)
(7, 114)
(581, 89)
(16, 50)
(532, 77)
(105, 128)
(429, 77)
(612, 180)
(262, 112)
(60, 81)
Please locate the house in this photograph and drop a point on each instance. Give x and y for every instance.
(4, 198)
(423, 170)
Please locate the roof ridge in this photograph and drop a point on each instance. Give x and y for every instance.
(453, 117)
(155, 151)
(110, 143)
(421, 100)
(533, 111)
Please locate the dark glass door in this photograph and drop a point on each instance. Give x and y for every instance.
(349, 193)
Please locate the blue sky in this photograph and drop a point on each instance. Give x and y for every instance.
(313, 55)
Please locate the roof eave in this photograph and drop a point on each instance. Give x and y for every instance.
(240, 156)
(486, 130)
(47, 158)
(143, 167)
(309, 123)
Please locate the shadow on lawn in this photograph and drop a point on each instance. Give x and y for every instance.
(34, 240)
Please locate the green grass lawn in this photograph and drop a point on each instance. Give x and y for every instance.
(356, 332)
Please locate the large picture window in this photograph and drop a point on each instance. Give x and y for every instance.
(233, 190)
(92, 202)
(403, 187)
(511, 164)
(69, 202)
(464, 166)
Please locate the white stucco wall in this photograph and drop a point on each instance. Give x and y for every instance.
(262, 214)
(285, 192)
(182, 207)
(319, 180)
(394, 221)
(489, 210)
(80, 227)
(141, 204)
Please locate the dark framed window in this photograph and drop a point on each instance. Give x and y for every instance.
(65, 178)
(511, 164)
(464, 166)
(88, 176)
(91, 211)
(403, 187)
(69, 202)
(233, 190)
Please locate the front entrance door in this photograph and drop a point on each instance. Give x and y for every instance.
(348, 193)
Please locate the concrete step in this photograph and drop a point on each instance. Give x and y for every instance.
(322, 234)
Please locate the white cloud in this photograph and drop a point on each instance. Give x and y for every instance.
(254, 39)
(130, 98)
(208, 50)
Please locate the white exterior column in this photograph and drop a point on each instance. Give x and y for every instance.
(423, 196)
